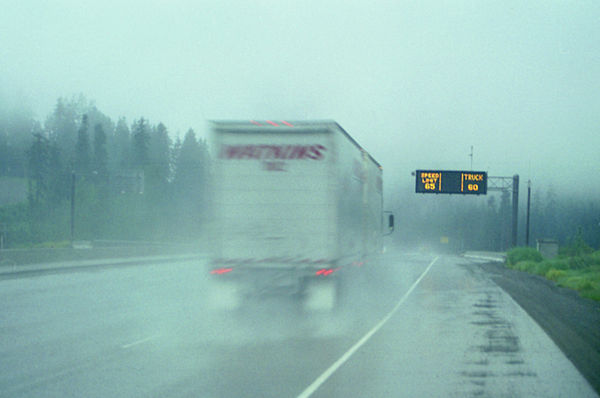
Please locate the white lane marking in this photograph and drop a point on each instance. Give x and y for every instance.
(325, 375)
(139, 341)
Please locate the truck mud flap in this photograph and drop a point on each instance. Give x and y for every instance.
(320, 295)
(224, 296)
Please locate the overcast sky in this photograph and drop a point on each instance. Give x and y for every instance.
(415, 82)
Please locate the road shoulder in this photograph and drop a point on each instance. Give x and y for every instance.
(570, 320)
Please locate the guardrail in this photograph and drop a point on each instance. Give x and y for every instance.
(488, 256)
(15, 269)
(94, 250)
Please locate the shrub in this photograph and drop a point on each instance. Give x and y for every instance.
(592, 294)
(558, 263)
(578, 282)
(527, 266)
(555, 274)
(519, 254)
(577, 262)
(594, 258)
(584, 284)
(542, 268)
(579, 271)
(577, 246)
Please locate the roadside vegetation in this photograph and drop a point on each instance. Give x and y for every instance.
(130, 180)
(577, 266)
(138, 181)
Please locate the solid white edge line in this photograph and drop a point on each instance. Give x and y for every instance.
(325, 375)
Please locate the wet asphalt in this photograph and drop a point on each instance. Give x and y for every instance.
(412, 325)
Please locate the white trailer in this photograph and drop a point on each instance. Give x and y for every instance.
(297, 206)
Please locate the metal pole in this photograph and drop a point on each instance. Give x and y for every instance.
(2, 231)
(471, 155)
(528, 207)
(515, 208)
(72, 207)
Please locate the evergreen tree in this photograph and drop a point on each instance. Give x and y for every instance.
(59, 176)
(493, 225)
(100, 163)
(95, 117)
(61, 126)
(505, 220)
(16, 127)
(188, 168)
(82, 149)
(141, 142)
(191, 177)
(4, 153)
(38, 169)
(159, 169)
(174, 156)
(551, 214)
(120, 152)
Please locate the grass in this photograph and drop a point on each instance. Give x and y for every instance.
(578, 270)
(519, 254)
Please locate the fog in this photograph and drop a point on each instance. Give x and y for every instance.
(417, 84)
(506, 87)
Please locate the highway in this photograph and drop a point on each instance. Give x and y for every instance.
(416, 326)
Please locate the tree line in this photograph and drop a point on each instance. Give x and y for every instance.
(131, 181)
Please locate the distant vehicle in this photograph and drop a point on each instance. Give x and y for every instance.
(296, 207)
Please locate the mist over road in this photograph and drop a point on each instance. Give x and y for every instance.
(421, 326)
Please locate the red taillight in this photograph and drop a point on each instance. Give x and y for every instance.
(272, 123)
(219, 271)
(287, 123)
(325, 271)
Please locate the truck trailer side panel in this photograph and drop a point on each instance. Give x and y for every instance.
(274, 195)
(359, 203)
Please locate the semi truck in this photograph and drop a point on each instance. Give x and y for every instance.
(297, 208)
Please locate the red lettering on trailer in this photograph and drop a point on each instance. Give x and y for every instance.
(316, 152)
(273, 152)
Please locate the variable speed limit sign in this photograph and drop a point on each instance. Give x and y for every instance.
(451, 181)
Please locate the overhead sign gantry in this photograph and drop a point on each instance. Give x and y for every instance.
(451, 182)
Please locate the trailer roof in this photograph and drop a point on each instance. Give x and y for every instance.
(279, 125)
